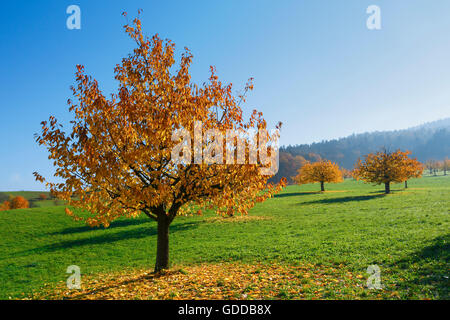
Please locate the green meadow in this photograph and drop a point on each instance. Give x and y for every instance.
(350, 226)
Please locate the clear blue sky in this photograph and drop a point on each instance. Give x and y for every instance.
(317, 68)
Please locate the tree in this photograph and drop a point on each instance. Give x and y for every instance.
(117, 159)
(386, 167)
(346, 173)
(19, 202)
(446, 165)
(6, 205)
(429, 164)
(43, 196)
(411, 169)
(436, 167)
(322, 171)
(288, 166)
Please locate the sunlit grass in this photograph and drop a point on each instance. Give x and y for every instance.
(349, 227)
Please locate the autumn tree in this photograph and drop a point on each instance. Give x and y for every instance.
(429, 166)
(346, 173)
(321, 171)
(432, 166)
(19, 202)
(6, 205)
(411, 169)
(117, 158)
(288, 166)
(43, 196)
(386, 167)
(445, 165)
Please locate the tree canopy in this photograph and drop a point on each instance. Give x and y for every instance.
(386, 167)
(116, 160)
(321, 171)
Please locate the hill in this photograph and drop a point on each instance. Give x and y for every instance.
(426, 142)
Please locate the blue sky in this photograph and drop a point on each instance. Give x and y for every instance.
(317, 68)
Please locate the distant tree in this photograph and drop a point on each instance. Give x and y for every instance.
(346, 173)
(19, 202)
(386, 167)
(288, 167)
(6, 205)
(315, 157)
(43, 196)
(321, 171)
(446, 165)
(412, 169)
(436, 167)
(429, 164)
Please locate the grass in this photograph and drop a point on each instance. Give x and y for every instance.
(349, 227)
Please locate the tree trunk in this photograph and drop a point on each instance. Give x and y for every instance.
(162, 251)
(322, 187)
(406, 184)
(387, 187)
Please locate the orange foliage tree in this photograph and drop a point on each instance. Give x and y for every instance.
(322, 171)
(6, 205)
(19, 202)
(386, 167)
(346, 173)
(116, 161)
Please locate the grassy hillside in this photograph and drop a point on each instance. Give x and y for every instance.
(349, 227)
(33, 197)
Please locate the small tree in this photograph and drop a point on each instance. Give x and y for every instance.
(412, 169)
(446, 165)
(6, 205)
(43, 196)
(386, 167)
(321, 171)
(19, 202)
(117, 159)
(430, 164)
(436, 167)
(346, 173)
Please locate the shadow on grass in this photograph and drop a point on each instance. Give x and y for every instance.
(343, 199)
(105, 237)
(431, 267)
(381, 192)
(115, 224)
(293, 194)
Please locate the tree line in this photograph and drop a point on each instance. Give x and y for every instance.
(382, 167)
(428, 141)
(434, 166)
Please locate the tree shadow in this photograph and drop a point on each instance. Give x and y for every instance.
(431, 267)
(343, 199)
(115, 224)
(105, 237)
(392, 191)
(293, 194)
